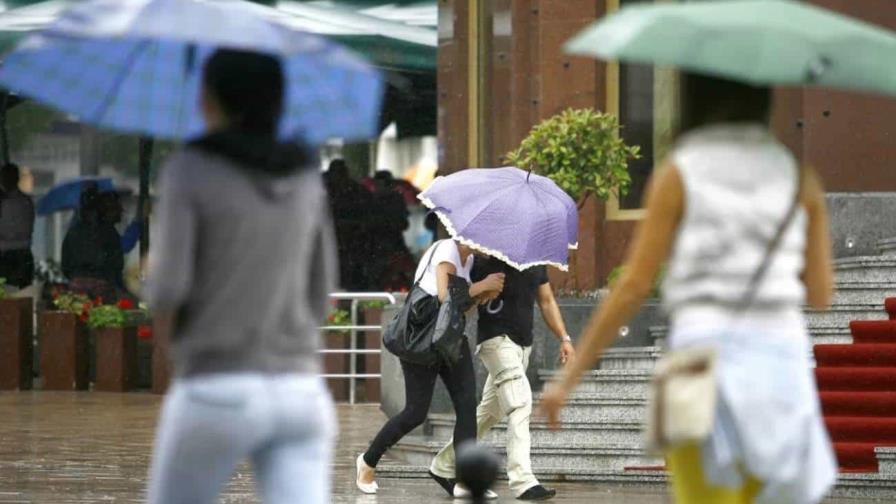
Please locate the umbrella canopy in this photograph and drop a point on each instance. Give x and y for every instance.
(520, 218)
(758, 41)
(67, 195)
(135, 66)
(389, 36)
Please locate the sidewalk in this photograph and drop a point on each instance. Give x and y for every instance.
(78, 448)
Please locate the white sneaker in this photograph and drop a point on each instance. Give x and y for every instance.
(367, 488)
(461, 492)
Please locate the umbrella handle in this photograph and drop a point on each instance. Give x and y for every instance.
(528, 174)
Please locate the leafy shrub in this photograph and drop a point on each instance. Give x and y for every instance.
(581, 151)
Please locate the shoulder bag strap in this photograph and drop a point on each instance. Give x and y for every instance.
(756, 279)
(428, 263)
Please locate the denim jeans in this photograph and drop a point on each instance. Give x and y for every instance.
(284, 424)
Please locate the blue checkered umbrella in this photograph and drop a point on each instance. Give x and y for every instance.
(136, 66)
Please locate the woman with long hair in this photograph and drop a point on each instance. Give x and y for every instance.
(242, 261)
(714, 209)
(444, 258)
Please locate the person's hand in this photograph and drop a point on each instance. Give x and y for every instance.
(552, 401)
(567, 352)
(487, 297)
(494, 282)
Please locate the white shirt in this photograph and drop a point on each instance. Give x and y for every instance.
(739, 183)
(445, 252)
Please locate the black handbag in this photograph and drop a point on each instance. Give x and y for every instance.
(449, 336)
(409, 335)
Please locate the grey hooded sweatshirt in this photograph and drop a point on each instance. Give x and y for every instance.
(243, 253)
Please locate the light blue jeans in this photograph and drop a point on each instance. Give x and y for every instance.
(286, 426)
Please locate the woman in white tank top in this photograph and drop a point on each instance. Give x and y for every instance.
(713, 208)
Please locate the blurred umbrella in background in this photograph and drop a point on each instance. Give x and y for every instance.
(67, 195)
(135, 66)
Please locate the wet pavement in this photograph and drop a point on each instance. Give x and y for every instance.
(89, 447)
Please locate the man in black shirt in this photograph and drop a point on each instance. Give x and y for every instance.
(505, 343)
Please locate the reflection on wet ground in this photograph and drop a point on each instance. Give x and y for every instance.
(68, 448)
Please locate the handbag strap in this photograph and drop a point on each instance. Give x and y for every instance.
(753, 285)
(428, 263)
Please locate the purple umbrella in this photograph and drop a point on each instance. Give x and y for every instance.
(519, 217)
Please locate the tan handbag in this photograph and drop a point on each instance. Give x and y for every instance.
(682, 397)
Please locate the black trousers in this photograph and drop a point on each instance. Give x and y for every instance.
(419, 384)
(17, 267)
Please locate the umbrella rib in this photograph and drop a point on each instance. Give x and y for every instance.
(125, 71)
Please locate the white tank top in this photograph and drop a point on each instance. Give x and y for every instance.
(739, 183)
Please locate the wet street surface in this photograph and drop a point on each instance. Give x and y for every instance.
(90, 447)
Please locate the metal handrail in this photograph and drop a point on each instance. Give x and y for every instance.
(353, 351)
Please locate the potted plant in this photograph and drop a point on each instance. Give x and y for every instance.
(337, 363)
(581, 151)
(16, 344)
(64, 358)
(49, 278)
(114, 327)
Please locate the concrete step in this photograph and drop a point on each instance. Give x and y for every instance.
(886, 460)
(594, 420)
(863, 293)
(820, 335)
(887, 247)
(419, 451)
(840, 316)
(630, 358)
(607, 433)
(866, 269)
(870, 487)
(624, 383)
(629, 477)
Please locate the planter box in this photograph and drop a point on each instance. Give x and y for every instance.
(116, 359)
(370, 340)
(161, 367)
(63, 351)
(16, 344)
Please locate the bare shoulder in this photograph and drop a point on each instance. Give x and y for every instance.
(813, 192)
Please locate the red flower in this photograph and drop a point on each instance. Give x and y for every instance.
(144, 332)
(126, 304)
(332, 317)
(98, 301)
(84, 317)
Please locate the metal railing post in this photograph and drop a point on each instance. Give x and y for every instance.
(353, 351)
(353, 357)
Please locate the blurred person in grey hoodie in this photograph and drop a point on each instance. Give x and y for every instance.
(240, 269)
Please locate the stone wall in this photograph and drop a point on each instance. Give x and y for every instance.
(860, 220)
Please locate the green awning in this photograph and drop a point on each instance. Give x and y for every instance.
(387, 42)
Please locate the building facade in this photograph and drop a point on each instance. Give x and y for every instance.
(501, 70)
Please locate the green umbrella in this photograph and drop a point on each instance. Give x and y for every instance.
(758, 41)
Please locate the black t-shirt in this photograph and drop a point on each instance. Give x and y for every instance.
(512, 312)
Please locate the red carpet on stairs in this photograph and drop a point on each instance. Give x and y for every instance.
(857, 383)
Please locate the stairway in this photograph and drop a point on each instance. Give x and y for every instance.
(857, 383)
(855, 351)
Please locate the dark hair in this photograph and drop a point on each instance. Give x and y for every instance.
(9, 176)
(249, 87)
(709, 100)
(338, 168)
(89, 209)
